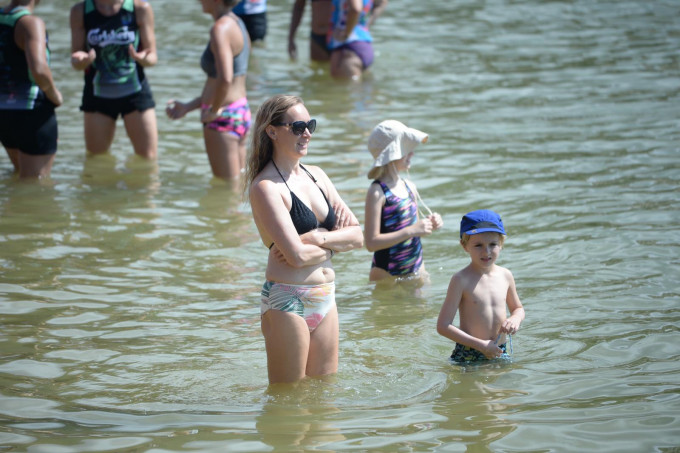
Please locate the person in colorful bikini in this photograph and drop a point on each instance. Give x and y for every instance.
(393, 226)
(28, 95)
(320, 22)
(113, 41)
(483, 292)
(225, 112)
(349, 41)
(304, 222)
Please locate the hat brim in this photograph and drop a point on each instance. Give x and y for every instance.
(397, 149)
(474, 231)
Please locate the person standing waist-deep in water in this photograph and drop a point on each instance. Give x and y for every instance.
(225, 112)
(349, 40)
(319, 24)
(253, 13)
(393, 226)
(482, 293)
(113, 41)
(304, 222)
(28, 95)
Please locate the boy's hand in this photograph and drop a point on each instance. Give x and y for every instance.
(491, 350)
(510, 325)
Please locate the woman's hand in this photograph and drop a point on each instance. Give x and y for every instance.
(278, 256)
(55, 96)
(141, 56)
(343, 216)
(208, 116)
(81, 59)
(176, 109)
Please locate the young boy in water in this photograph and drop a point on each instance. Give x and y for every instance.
(481, 292)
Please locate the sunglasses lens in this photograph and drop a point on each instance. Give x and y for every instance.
(299, 127)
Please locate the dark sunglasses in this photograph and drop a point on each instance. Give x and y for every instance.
(298, 127)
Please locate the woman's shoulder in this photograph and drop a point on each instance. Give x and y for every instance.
(317, 172)
(30, 24)
(142, 4)
(143, 9)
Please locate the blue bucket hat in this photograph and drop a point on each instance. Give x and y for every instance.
(481, 221)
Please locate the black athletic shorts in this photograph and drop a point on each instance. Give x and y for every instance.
(256, 24)
(32, 132)
(140, 101)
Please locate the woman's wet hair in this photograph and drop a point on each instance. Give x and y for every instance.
(261, 148)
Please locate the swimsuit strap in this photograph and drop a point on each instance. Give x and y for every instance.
(317, 185)
(308, 173)
(408, 189)
(284, 179)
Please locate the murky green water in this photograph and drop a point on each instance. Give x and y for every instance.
(129, 306)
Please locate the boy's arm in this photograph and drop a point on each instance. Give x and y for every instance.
(454, 296)
(449, 308)
(511, 325)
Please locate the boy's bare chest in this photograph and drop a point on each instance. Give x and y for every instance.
(487, 293)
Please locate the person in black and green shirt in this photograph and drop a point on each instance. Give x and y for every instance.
(113, 41)
(28, 95)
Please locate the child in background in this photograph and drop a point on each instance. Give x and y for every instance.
(481, 292)
(392, 226)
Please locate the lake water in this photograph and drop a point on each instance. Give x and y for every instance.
(129, 293)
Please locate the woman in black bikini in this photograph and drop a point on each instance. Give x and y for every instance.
(304, 222)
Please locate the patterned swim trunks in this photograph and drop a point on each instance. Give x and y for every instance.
(462, 353)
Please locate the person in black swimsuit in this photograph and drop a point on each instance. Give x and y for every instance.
(304, 222)
(319, 24)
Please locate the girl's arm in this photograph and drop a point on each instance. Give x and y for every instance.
(30, 36)
(146, 56)
(81, 58)
(375, 240)
(274, 222)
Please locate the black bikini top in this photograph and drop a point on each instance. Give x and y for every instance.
(304, 218)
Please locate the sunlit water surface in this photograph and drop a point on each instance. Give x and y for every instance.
(129, 305)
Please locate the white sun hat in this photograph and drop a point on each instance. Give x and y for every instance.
(391, 140)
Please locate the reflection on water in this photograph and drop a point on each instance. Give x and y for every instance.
(129, 290)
